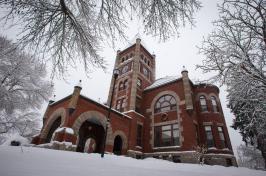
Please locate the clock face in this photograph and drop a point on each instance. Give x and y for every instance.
(125, 69)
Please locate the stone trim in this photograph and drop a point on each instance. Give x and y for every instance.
(220, 124)
(52, 118)
(89, 115)
(166, 123)
(207, 123)
(122, 135)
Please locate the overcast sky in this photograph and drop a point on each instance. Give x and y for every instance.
(170, 57)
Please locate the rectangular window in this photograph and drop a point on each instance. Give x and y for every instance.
(222, 138)
(167, 135)
(121, 104)
(139, 83)
(138, 105)
(209, 136)
(139, 135)
(197, 134)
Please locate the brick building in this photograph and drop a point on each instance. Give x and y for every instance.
(164, 118)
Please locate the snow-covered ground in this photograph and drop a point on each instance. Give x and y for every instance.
(44, 162)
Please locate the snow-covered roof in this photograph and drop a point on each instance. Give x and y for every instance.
(162, 81)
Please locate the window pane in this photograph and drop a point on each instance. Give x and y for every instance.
(172, 101)
(209, 137)
(166, 138)
(164, 104)
(202, 100)
(176, 137)
(167, 127)
(175, 126)
(167, 98)
(207, 128)
(157, 105)
(157, 136)
(213, 101)
(164, 109)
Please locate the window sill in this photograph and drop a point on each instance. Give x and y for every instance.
(167, 147)
(156, 113)
(204, 112)
(138, 147)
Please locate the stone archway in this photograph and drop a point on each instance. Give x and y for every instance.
(58, 113)
(92, 116)
(96, 123)
(91, 137)
(123, 137)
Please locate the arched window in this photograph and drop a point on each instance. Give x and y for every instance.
(121, 86)
(165, 103)
(203, 104)
(214, 104)
(125, 84)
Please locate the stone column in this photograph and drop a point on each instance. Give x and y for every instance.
(133, 94)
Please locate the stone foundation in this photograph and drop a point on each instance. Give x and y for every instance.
(187, 157)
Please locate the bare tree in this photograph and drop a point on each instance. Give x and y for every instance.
(23, 89)
(71, 31)
(236, 52)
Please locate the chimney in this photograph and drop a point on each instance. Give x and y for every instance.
(187, 90)
(74, 99)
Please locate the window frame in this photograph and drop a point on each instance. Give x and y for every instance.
(209, 143)
(158, 135)
(203, 103)
(139, 135)
(221, 135)
(214, 103)
(172, 106)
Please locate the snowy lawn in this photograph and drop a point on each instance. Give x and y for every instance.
(44, 162)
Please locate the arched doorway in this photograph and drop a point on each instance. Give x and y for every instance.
(117, 149)
(54, 126)
(90, 137)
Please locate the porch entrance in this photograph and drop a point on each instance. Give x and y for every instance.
(90, 137)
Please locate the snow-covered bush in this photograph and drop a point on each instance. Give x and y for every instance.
(15, 137)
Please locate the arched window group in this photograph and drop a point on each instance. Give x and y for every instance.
(123, 85)
(203, 104)
(165, 103)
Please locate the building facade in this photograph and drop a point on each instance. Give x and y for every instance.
(165, 118)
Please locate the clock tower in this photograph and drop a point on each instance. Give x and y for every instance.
(137, 71)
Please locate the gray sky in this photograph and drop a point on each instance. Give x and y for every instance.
(170, 57)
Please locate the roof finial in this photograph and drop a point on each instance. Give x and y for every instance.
(184, 69)
(79, 84)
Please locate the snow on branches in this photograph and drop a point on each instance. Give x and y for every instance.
(23, 88)
(72, 31)
(236, 52)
